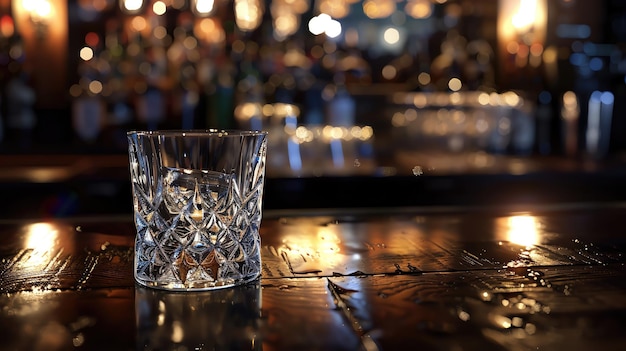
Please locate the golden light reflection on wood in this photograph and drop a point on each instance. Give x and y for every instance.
(41, 236)
(320, 248)
(523, 230)
(41, 239)
(462, 292)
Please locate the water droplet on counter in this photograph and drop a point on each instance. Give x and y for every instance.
(78, 340)
(412, 268)
(517, 322)
(566, 289)
(486, 296)
(503, 322)
(398, 269)
(463, 315)
(530, 328)
(417, 171)
(533, 274)
(529, 302)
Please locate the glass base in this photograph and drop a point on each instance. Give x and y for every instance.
(196, 286)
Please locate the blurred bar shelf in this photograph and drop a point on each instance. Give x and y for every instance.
(70, 185)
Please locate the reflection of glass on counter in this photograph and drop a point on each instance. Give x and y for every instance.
(226, 319)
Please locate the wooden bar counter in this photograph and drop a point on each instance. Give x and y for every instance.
(547, 278)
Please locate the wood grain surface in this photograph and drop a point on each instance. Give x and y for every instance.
(458, 280)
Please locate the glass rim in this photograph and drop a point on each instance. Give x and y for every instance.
(222, 133)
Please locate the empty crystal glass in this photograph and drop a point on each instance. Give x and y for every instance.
(198, 205)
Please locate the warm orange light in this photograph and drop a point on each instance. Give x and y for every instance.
(419, 8)
(379, 8)
(7, 27)
(248, 14)
(525, 15)
(285, 24)
(334, 8)
(203, 7)
(512, 47)
(524, 20)
(39, 10)
(209, 30)
(159, 8)
(132, 6)
(138, 23)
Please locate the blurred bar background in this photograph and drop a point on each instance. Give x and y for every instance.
(364, 89)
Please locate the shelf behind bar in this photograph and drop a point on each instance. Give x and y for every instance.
(68, 185)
